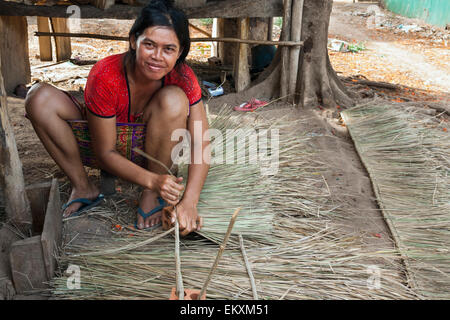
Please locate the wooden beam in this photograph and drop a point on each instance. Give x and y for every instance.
(11, 175)
(63, 48)
(214, 9)
(45, 43)
(118, 38)
(241, 69)
(14, 48)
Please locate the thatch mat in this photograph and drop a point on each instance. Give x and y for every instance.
(325, 241)
(407, 156)
(331, 233)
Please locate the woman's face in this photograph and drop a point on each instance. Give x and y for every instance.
(157, 51)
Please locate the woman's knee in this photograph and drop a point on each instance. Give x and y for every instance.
(172, 103)
(44, 100)
(37, 98)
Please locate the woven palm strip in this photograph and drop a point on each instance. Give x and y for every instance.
(407, 156)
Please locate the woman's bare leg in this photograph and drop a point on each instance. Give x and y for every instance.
(166, 112)
(48, 109)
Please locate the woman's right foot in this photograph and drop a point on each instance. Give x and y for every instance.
(91, 193)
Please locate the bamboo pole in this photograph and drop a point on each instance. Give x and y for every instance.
(219, 253)
(180, 287)
(230, 40)
(200, 30)
(286, 34)
(247, 266)
(296, 33)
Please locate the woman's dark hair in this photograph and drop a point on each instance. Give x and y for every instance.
(161, 13)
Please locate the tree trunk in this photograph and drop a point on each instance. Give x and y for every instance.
(317, 82)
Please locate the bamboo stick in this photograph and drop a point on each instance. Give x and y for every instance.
(219, 253)
(296, 33)
(200, 30)
(249, 270)
(231, 40)
(180, 287)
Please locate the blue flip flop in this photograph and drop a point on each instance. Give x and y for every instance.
(144, 215)
(87, 204)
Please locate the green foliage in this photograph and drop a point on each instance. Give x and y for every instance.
(356, 47)
(206, 21)
(278, 21)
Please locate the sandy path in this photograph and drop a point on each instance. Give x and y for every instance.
(393, 55)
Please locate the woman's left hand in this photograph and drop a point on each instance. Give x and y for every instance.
(188, 217)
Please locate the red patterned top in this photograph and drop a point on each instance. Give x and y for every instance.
(107, 92)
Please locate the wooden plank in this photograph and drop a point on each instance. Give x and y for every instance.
(12, 183)
(7, 237)
(14, 48)
(27, 265)
(241, 69)
(38, 195)
(45, 43)
(63, 48)
(51, 235)
(213, 9)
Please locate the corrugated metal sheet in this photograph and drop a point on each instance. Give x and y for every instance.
(436, 12)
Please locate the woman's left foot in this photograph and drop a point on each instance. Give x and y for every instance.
(148, 201)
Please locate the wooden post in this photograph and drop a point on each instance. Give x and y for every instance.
(45, 43)
(296, 33)
(103, 4)
(11, 175)
(241, 69)
(14, 48)
(269, 28)
(227, 28)
(63, 48)
(221, 33)
(285, 36)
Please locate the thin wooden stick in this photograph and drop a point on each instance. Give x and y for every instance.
(125, 248)
(219, 253)
(249, 270)
(200, 30)
(180, 287)
(231, 40)
(145, 155)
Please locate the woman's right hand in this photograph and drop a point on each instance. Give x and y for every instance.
(169, 188)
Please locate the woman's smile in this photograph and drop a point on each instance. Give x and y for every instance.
(157, 51)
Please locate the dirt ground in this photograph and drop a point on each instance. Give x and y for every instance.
(420, 65)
